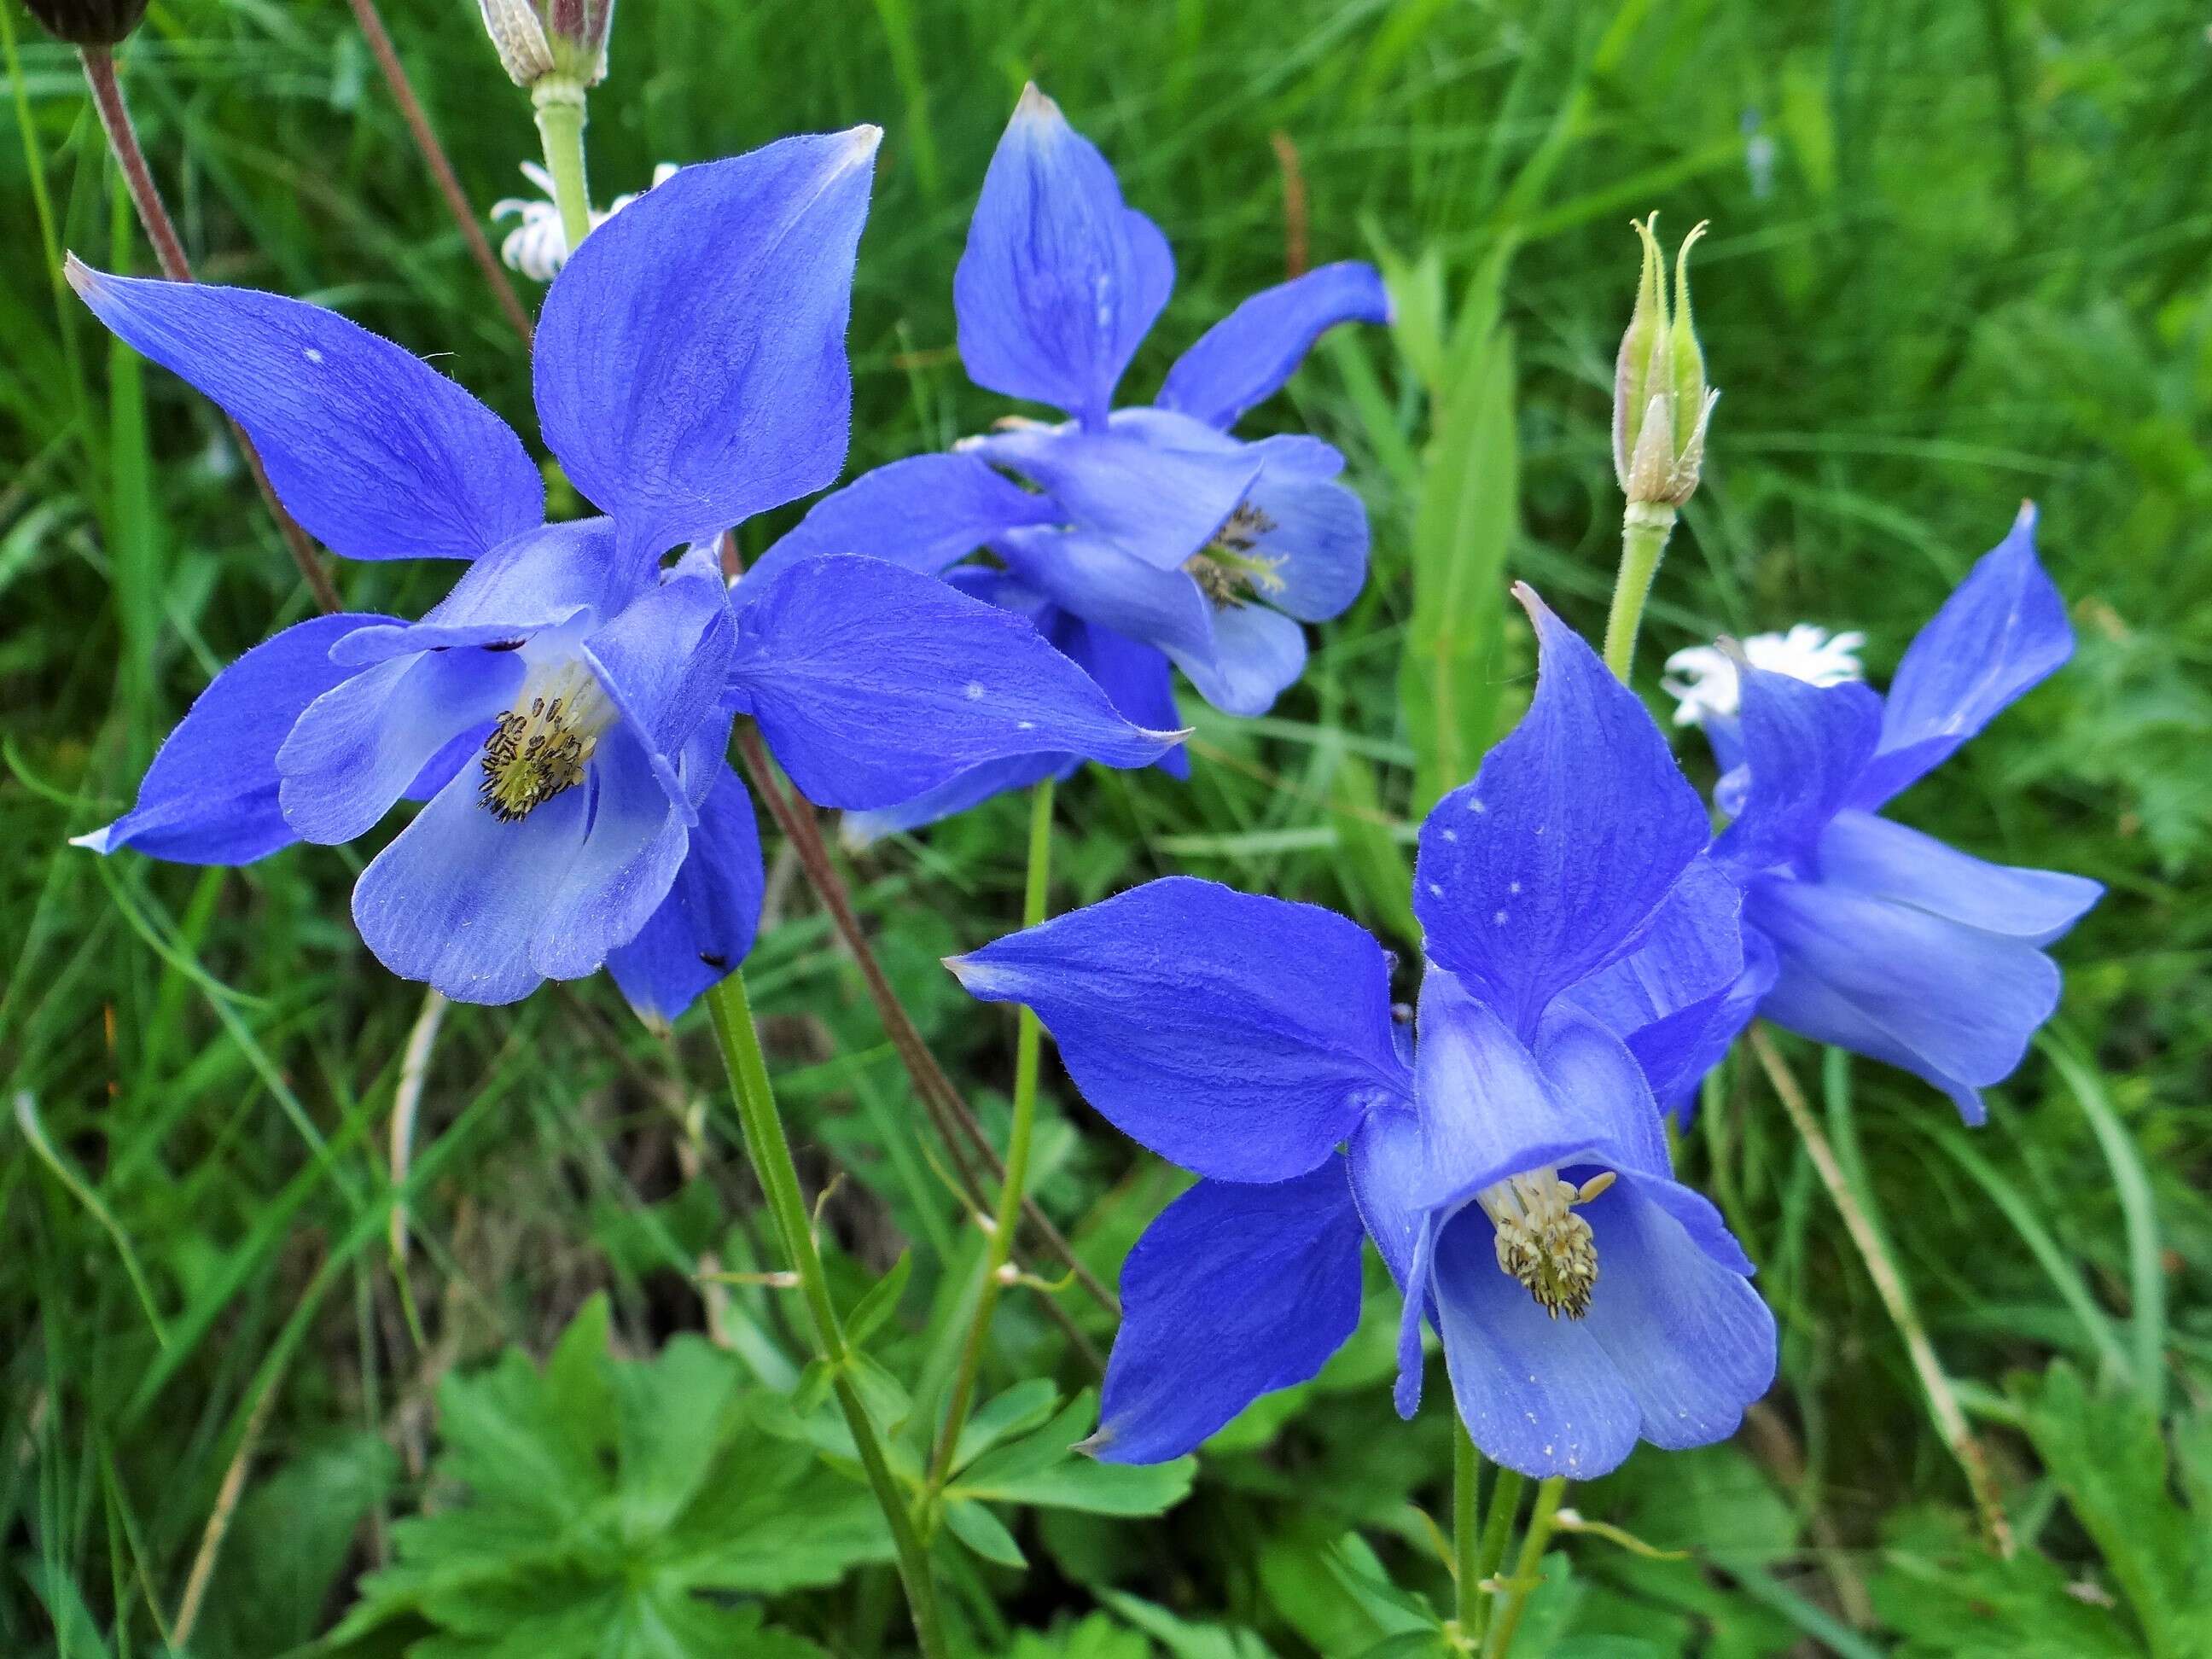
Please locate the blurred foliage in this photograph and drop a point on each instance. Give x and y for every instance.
(1959, 256)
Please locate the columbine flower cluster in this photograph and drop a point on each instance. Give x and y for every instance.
(1133, 537)
(564, 711)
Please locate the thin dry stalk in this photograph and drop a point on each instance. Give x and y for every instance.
(1889, 1285)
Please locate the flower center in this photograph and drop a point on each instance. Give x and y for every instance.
(541, 746)
(1227, 568)
(1541, 1241)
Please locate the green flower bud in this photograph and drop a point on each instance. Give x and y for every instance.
(1661, 403)
(88, 22)
(540, 40)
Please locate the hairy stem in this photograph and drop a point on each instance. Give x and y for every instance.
(1028, 1047)
(1497, 1530)
(1950, 1418)
(769, 1150)
(1533, 1545)
(441, 168)
(956, 1124)
(559, 106)
(169, 249)
(1644, 532)
(1466, 1524)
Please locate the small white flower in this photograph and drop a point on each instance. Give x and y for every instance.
(1702, 679)
(536, 246)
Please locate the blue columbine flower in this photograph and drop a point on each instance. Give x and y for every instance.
(1132, 537)
(1862, 932)
(565, 709)
(1512, 1166)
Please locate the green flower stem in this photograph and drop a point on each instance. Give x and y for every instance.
(1533, 1545)
(1466, 1524)
(1644, 532)
(560, 104)
(1497, 1529)
(1028, 1045)
(771, 1152)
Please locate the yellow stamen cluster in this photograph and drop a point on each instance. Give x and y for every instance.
(1541, 1241)
(1227, 568)
(539, 748)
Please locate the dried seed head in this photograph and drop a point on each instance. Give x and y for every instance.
(88, 22)
(542, 39)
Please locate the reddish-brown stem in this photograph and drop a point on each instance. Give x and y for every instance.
(938, 1097)
(441, 168)
(169, 249)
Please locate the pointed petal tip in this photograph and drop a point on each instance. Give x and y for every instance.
(81, 276)
(1530, 601)
(1095, 1443)
(862, 141)
(2025, 518)
(94, 840)
(1034, 105)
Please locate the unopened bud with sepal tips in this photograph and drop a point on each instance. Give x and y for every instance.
(540, 40)
(1661, 403)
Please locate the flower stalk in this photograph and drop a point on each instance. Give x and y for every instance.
(1028, 1050)
(559, 103)
(1543, 1519)
(769, 1151)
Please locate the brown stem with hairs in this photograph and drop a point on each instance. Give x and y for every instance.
(161, 231)
(441, 168)
(938, 1097)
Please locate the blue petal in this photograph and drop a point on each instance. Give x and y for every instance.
(2002, 632)
(1244, 358)
(211, 795)
(1861, 853)
(1491, 1107)
(1391, 1178)
(1100, 582)
(1942, 999)
(1537, 1395)
(455, 898)
(361, 746)
(1670, 998)
(922, 512)
(1157, 502)
(705, 925)
(1257, 655)
(1139, 680)
(624, 868)
(664, 661)
(374, 452)
(1234, 1292)
(484, 909)
(691, 364)
(1550, 864)
(1685, 1332)
(1060, 281)
(1312, 531)
(872, 683)
(549, 576)
(970, 789)
(1804, 747)
(1240, 1037)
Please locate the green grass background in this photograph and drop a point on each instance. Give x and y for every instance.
(1958, 257)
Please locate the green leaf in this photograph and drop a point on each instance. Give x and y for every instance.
(983, 1533)
(1337, 1595)
(1951, 1598)
(1016, 1412)
(1463, 527)
(1183, 1639)
(1044, 1470)
(880, 1303)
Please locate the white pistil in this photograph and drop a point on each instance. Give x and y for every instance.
(537, 247)
(1541, 1241)
(539, 748)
